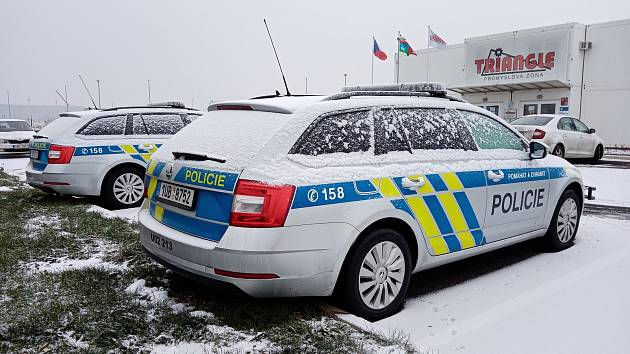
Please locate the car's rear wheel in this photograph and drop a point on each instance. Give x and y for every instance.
(375, 278)
(599, 153)
(124, 188)
(565, 221)
(558, 151)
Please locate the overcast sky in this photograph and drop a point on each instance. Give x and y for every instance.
(216, 50)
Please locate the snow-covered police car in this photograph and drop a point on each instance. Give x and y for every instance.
(103, 152)
(350, 193)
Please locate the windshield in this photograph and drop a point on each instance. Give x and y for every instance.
(532, 120)
(14, 126)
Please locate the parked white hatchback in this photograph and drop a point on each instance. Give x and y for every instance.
(103, 152)
(14, 136)
(354, 192)
(566, 136)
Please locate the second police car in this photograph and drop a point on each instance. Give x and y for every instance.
(103, 152)
(350, 194)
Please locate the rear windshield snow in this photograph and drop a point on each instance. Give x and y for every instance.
(235, 136)
(532, 120)
(57, 127)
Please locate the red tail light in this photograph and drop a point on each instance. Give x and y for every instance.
(257, 204)
(59, 154)
(538, 134)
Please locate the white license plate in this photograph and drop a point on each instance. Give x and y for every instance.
(34, 154)
(176, 195)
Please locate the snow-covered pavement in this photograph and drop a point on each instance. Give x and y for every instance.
(611, 183)
(575, 301)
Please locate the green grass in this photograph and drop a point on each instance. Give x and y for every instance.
(39, 311)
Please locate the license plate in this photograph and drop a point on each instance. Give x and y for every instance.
(34, 154)
(176, 195)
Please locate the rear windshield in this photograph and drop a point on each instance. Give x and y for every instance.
(235, 136)
(57, 127)
(14, 126)
(532, 120)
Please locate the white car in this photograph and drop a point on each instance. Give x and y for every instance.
(14, 136)
(103, 152)
(566, 137)
(351, 193)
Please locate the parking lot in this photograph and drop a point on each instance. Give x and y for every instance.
(56, 244)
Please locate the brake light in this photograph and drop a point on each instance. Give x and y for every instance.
(59, 154)
(538, 134)
(258, 204)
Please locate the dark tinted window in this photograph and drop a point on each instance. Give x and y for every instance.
(106, 126)
(579, 126)
(490, 133)
(566, 124)
(402, 129)
(337, 132)
(14, 126)
(163, 124)
(532, 120)
(138, 127)
(189, 118)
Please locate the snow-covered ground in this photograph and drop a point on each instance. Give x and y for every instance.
(575, 301)
(611, 183)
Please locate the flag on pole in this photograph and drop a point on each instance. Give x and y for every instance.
(436, 41)
(378, 52)
(404, 47)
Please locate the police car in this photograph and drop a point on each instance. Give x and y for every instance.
(350, 194)
(103, 152)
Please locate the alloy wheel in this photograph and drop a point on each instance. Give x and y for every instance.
(382, 274)
(128, 188)
(567, 220)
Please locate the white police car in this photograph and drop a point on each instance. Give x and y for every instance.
(351, 193)
(103, 152)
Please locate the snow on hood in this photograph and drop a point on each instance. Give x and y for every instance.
(17, 135)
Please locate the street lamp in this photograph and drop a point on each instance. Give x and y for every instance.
(345, 79)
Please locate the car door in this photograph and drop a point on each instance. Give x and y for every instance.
(570, 137)
(586, 142)
(447, 204)
(517, 188)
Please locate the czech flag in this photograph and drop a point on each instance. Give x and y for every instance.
(405, 47)
(378, 52)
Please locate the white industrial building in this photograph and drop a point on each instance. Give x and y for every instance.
(574, 69)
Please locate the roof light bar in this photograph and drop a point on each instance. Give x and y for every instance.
(432, 87)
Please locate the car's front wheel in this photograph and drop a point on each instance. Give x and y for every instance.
(124, 188)
(565, 221)
(376, 276)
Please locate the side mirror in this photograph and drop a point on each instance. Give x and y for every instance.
(591, 131)
(537, 150)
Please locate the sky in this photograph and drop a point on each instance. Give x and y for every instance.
(202, 51)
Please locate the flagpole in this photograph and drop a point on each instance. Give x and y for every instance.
(373, 40)
(428, 47)
(398, 58)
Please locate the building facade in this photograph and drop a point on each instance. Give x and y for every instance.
(573, 69)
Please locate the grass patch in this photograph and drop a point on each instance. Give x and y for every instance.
(89, 309)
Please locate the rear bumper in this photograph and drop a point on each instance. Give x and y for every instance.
(303, 267)
(61, 179)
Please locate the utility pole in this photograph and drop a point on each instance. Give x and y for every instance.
(28, 100)
(98, 84)
(9, 103)
(345, 79)
(149, 88)
(306, 79)
(65, 89)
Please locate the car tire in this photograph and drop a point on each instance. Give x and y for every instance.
(599, 153)
(558, 151)
(374, 286)
(565, 222)
(123, 188)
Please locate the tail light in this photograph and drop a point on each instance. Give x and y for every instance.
(257, 204)
(59, 154)
(538, 134)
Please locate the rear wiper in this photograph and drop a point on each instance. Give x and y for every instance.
(190, 156)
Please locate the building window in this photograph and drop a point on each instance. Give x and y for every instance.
(493, 109)
(547, 108)
(530, 109)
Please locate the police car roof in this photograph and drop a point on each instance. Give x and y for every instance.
(91, 113)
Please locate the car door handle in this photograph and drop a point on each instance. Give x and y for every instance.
(413, 183)
(496, 177)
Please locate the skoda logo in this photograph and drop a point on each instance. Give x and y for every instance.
(168, 171)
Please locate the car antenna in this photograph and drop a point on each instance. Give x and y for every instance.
(88, 92)
(278, 59)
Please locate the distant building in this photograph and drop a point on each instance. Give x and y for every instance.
(573, 69)
(37, 115)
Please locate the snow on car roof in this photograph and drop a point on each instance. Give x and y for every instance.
(92, 113)
(280, 104)
(11, 120)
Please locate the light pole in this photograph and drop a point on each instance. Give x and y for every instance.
(306, 79)
(30, 112)
(345, 79)
(9, 103)
(149, 87)
(98, 84)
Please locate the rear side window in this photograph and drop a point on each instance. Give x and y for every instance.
(163, 124)
(491, 134)
(105, 126)
(337, 132)
(408, 129)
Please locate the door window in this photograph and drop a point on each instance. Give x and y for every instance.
(105, 126)
(138, 126)
(491, 134)
(338, 132)
(163, 124)
(408, 129)
(530, 109)
(579, 126)
(566, 124)
(547, 108)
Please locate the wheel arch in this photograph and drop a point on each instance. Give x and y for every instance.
(577, 188)
(116, 167)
